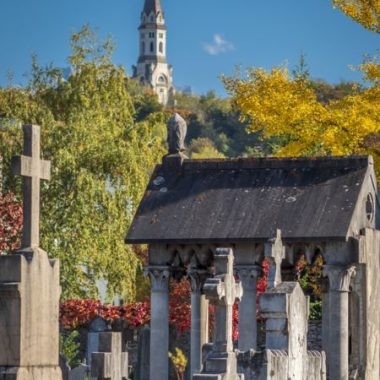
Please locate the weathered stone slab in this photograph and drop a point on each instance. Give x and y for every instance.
(142, 367)
(29, 298)
(79, 373)
(110, 363)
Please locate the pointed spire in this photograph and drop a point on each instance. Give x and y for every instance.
(152, 5)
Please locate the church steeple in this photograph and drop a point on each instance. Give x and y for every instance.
(152, 68)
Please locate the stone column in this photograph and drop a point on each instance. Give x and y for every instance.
(247, 307)
(325, 315)
(199, 318)
(338, 352)
(159, 324)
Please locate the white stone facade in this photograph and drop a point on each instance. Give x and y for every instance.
(152, 68)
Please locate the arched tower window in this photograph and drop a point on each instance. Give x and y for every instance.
(151, 18)
(152, 47)
(143, 47)
(161, 80)
(161, 48)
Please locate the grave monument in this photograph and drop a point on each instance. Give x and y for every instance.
(29, 284)
(325, 207)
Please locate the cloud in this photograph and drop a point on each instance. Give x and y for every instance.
(219, 45)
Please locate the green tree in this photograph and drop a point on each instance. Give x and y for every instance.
(101, 156)
(202, 147)
(215, 119)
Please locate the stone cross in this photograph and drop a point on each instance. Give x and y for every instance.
(110, 363)
(274, 252)
(222, 290)
(32, 169)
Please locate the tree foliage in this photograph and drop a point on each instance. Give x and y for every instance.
(287, 108)
(213, 126)
(101, 158)
(203, 147)
(365, 12)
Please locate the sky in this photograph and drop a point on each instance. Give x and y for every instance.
(206, 38)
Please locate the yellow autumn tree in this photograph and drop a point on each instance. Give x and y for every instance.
(280, 106)
(365, 12)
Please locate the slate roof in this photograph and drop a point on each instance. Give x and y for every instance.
(247, 199)
(152, 5)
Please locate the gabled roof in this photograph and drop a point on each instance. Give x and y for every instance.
(248, 199)
(152, 6)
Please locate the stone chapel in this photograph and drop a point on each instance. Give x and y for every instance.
(211, 220)
(152, 68)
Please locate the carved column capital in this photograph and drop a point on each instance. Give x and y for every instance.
(159, 277)
(339, 277)
(197, 278)
(248, 275)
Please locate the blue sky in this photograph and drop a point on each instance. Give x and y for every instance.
(206, 38)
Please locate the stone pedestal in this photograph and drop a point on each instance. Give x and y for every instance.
(285, 310)
(29, 332)
(338, 354)
(159, 324)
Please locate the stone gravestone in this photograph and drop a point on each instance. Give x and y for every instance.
(29, 284)
(285, 310)
(97, 326)
(110, 363)
(64, 365)
(79, 373)
(222, 290)
(142, 366)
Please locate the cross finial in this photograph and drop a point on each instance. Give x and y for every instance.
(32, 169)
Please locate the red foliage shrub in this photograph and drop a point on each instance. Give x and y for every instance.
(10, 222)
(137, 314)
(179, 305)
(75, 313)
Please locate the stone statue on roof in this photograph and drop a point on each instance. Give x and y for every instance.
(177, 129)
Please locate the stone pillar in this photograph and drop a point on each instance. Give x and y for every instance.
(247, 307)
(325, 315)
(159, 324)
(199, 318)
(338, 351)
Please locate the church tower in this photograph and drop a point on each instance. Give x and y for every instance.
(152, 68)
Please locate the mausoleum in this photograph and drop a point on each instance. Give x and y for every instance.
(266, 207)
